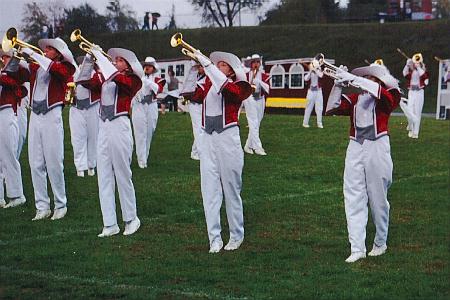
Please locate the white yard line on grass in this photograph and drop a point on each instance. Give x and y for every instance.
(50, 276)
(192, 211)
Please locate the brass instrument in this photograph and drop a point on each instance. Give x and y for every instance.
(177, 40)
(70, 93)
(328, 69)
(379, 61)
(416, 58)
(84, 45)
(437, 58)
(11, 41)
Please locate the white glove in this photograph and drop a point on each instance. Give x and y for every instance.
(202, 59)
(43, 61)
(344, 76)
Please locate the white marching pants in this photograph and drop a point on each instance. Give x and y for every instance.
(46, 156)
(145, 118)
(22, 120)
(10, 171)
(195, 110)
(315, 100)
(409, 115)
(254, 110)
(415, 105)
(84, 135)
(114, 151)
(367, 178)
(221, 164)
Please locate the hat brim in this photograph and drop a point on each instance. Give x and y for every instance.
(59, 45)
(130, 57)
(232, 60)
(378, 71)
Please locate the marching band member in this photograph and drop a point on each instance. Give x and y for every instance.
(83, 121)
(314, 96)
(145, 110)
(221, 155)
(417, 76)
(115, 140)
(48, 79)
(368, 162)
(255, 105)
(11, 93)
(195, 94)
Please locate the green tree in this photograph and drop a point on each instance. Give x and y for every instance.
(365, 9)
(87, 19)
(301, 12)
(223, 12)
(33, 21)
(121, 17)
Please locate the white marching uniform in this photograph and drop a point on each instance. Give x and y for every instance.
(46, 133)
(254, 109)
(221, 154)
(368, 163)
(9, 164)
(83, 122)
(46, 157)
(115, 139)
(145, 117)
(22, 120)
(195, 111)
(314, 97)
(418, 79)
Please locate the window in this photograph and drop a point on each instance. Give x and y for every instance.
(277, 77)
(163, 73)
(179, 70)
(296, 73)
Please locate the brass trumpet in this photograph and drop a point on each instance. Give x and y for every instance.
(84, 45)
(328, 69)
(177, 40)
(11, 41)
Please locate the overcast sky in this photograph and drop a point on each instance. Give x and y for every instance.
(11, 11)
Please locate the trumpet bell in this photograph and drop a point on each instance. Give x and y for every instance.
(379, 62)
(75, 35)
(9, 39)
(417, 58)
(176, 40)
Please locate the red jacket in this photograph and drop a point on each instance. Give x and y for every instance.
(60, 74)
(127, 87)
(12, 90)
(94, 85)
(423, 79)
(387, 102)
(232, 95)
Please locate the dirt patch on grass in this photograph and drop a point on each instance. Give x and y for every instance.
(434, 267)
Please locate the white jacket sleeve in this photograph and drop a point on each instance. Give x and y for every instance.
(334, 99)
(107, 68)
(43, 61)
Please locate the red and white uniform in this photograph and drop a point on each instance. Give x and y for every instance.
(368, 163)
(11, 93)
(221, 154)
(46, 134)
(254, 107)
(115, 140)
(417, 79)
(314, 97)
(83, 121)
(145, 115)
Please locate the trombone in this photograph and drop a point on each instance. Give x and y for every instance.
(416, 58)
(177, 40)
(84, 45)
(11, 41)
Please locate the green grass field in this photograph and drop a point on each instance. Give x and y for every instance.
(296, 236)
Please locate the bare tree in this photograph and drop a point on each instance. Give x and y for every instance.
(122, 17)
(223, 12)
